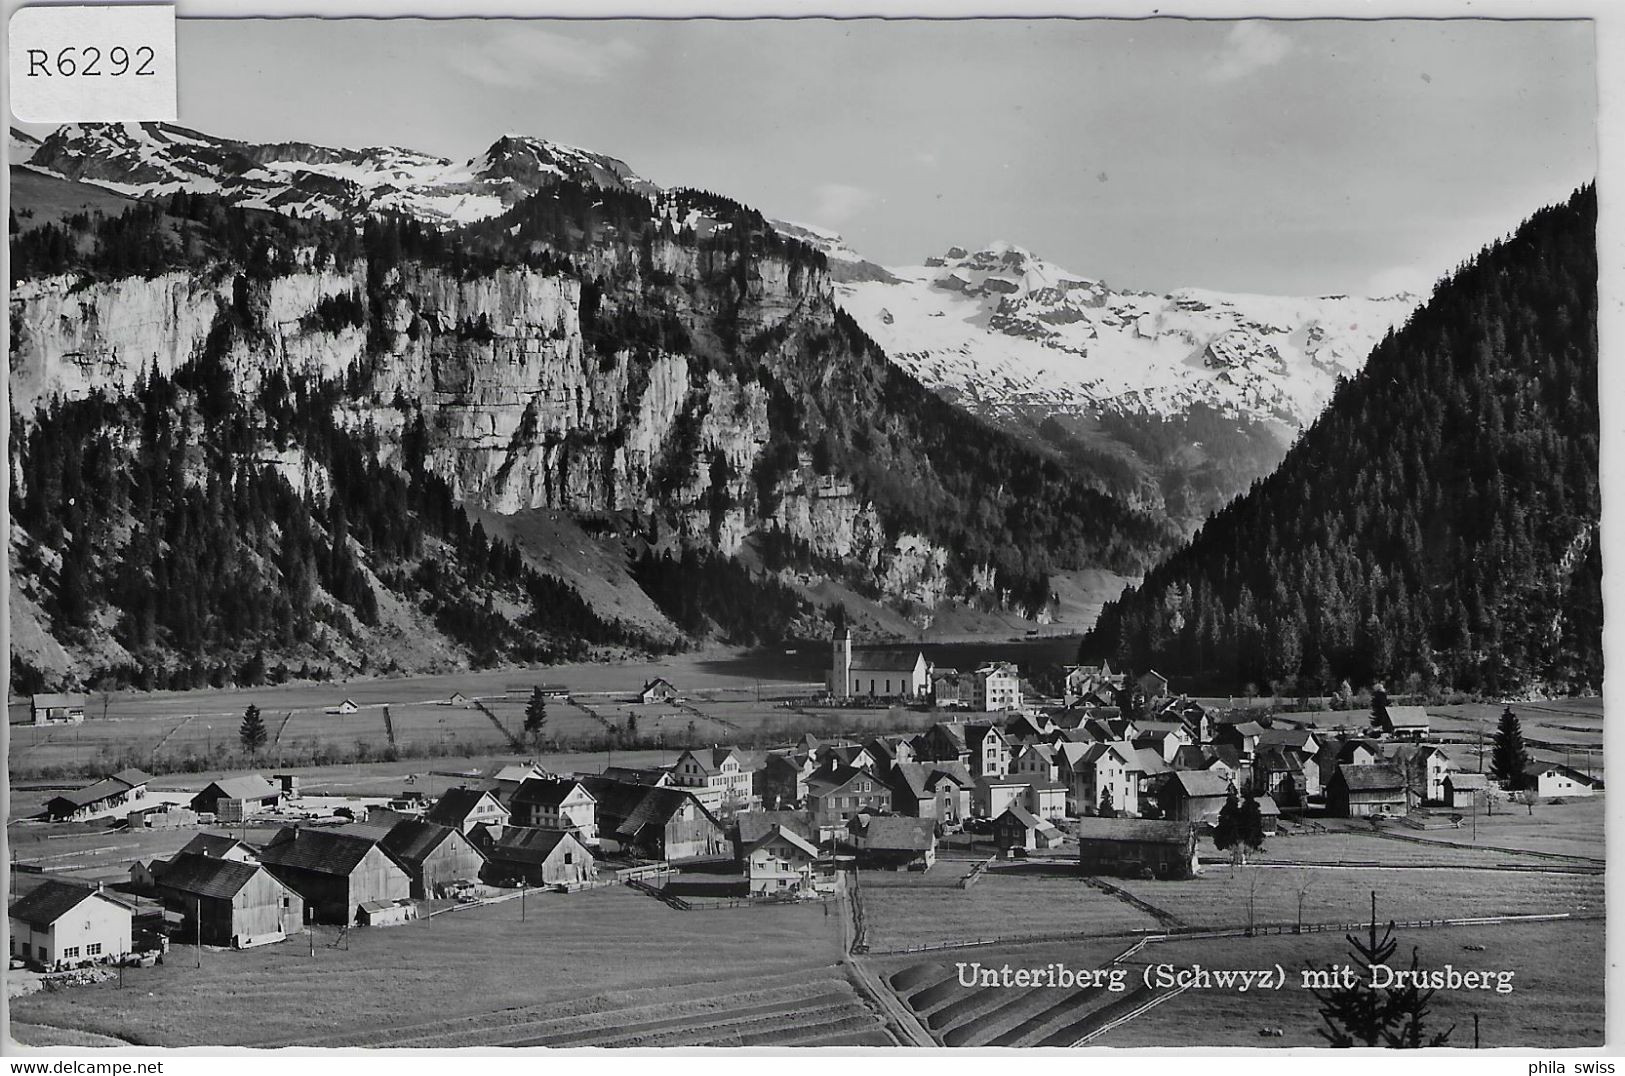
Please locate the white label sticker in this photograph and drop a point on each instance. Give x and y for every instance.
(93, 64)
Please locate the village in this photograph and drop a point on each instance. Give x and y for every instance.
(1117, 805)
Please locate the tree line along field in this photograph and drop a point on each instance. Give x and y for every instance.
(601, 967)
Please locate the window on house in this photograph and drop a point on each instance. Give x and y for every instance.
(569, 858)
(70, 952)
(93, 949)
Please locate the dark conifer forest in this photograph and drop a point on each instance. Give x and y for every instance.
(1436, 526)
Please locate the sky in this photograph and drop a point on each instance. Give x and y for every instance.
(1309, 157)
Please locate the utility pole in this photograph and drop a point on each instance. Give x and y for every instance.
(199, 932)
(521, 900)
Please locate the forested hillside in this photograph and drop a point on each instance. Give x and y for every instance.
(1436, 526)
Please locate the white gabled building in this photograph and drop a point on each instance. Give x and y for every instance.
(62, 925)
(880, 674)
(997, 687)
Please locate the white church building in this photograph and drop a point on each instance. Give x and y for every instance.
(875, 673)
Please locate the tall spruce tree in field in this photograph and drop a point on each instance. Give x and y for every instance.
(1356, 1013)
(536, 715)
(1509, 758)
(1107, 808)
(1227, 833)
(252, 731)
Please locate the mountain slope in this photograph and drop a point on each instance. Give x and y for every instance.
(1438, 522)
(1178, 400)
(662, 366)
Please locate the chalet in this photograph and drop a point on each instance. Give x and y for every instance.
(1192, 795)
(116, 790)
(989, 751)
(1080, 680)
(54, 709)
(540, 857)
(556, 803)
(335, 873)
(945, 743)
(62, 925)
(666, 824)
(1153, 684)
(1164, 737)
(1019, 828)
(232, 799)
(892, 842)
(1028, 728)
(1359, 791)
(1461, 790)
(229, 902)
(467, 809)
(1242, 735)
(778, 851)
(996, 687)
(1137, 848)
(1282, 772)
(782, 779)
(1425, 767)
(890, 750)
(344, 707)
(1402, 722)
(842, 793)
(875, 673)
(433, 856)
(728, 771)
(657, 690)
(939, 790)
(855, 755)
(1036, 760)
(1345, 752)
(1548, 779)
(220, 846)
(457, 699)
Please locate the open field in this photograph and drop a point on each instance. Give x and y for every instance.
(1556, 1001)
(602, 967)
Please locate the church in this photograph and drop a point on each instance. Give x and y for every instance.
(875, 672)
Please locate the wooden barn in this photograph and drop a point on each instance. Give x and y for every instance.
(1365, 791)
(657, 823)
(227, 902)
(540, 857)
(1137, 847)
(232, 799)
(334, 872)
(433, 856)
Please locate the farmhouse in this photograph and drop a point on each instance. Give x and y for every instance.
(220, 846)
(875, 673)
(1036, 760)
(952, 690)
(57, 708)
(1192, 795)
(944, 742)
(727, 771)
(843, 792)
(1137, 848)
(540, 857)
(557, 803)
(778, 852)
(1424, 766)
(334, 872)
(782, 780)
(433, 856)
(346, 706)
(232, 799)
(1461, 789)
(657, 690)
(62, 925)
(1363, 791)
(1548, 779)
(1018, 827)
(658, 823)
(939, 790)
(228, 902)
(467, 809)
(122, 787)
(890, 842)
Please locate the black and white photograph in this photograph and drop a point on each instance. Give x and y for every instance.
(852, 533)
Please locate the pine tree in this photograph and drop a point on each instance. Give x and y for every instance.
(1356, 1013)
(1107, 808)
(1227, 833)
(1509, 758)
(536, 715)
(252, 731)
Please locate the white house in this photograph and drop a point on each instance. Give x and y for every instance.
(997, 687)
(1550, 779)
(727, 771)
(61, 925)
(557, 803)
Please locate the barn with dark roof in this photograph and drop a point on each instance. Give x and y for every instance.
(232, 903)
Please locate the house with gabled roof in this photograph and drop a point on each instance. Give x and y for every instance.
(1165, 737)
(996, 687)
(1036, 760)
(989, 750)
(1137, 848)
(1365, 791)
(60, 924)
(939, 790)
(657, 690)
(467, 809)
(945, 742)
(1402, 722)
(220, 846)
(728, 771)
(1191, 795)
(1548, 779)
(233, 902)
(782, 779)
(50, 708)
(433, 856)
(838, 794)
(334, 872)
(668, 824)
(1115, 767)
(875, 672)
(1285, 773)
(1462, 789)
(556, 803)
(540, 857)
(1019, 828)
(778, 851)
